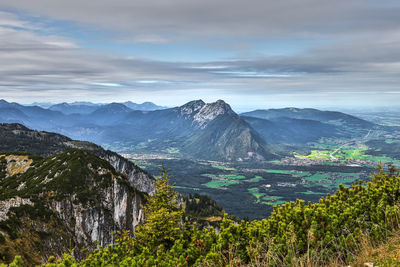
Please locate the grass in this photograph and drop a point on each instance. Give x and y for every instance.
(272, 200)
(385, 254)
(223, 181)
(17, 163)
(344, 154)
(254, 191)
(264, 199)
(317, 177)
(216, 184)
(233, 176)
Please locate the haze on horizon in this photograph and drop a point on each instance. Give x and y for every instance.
(253, 54)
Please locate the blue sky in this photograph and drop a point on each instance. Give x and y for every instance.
(253, 54)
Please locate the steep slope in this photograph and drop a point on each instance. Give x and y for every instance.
(73, 200)
(225, 134)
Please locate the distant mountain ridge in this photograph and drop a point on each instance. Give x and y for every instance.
(299, 126)
(332, 117)
(88, 107)
(196, 129)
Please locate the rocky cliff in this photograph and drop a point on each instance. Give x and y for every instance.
(70, 201)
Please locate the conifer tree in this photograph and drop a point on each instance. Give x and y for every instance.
(162, 222)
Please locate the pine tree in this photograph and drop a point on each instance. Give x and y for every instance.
(162, 222)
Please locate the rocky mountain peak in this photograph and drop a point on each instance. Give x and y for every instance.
(212, 110)
(201, 113)
(191, 107)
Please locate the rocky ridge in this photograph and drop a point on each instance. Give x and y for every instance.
(74, 199)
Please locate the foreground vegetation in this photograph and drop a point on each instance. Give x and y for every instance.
(296, 233)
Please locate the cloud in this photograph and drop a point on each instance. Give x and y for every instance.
(182, 19)
(354, 48)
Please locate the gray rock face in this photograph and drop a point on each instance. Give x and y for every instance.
(137, 177)
(121, 209)
(5, 205)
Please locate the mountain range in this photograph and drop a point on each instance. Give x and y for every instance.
(196, 129)
(88, 107)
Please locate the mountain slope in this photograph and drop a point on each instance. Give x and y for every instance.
(68, 109)
(292, 131)
(72, 200)
(299, 126)
(225, 133)
(32, 116)
(197, 129)
(331, 117)
(145, 106)
(16, 137)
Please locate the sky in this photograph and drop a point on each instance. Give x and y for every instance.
(252, 54)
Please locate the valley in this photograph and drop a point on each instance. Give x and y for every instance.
(251, 189)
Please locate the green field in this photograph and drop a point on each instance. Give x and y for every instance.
(272, 200)
(222, 181)
(263, 198)
(219, 184)
(344, 154)
(255, 192)
(317, 177)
